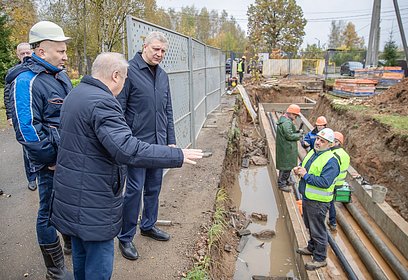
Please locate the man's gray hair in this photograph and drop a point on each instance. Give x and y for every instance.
(156, 35)
(108, 62)
(21, 45)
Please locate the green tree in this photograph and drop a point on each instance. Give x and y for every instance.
(276, 24)
(390, 53)
(313, 52)
(7, 57)
(351, 40)
(335, 36)
(188, 21)
(203, 25)
(22, 14)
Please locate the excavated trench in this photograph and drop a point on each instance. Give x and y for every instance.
(250, 190)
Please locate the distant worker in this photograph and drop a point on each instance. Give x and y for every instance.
(318, 172)
(23, 50)
(286, 146)
(241, 68)
(310, 137)
(344, 161)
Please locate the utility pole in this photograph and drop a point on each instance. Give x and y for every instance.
(401, 28)
(373, 41)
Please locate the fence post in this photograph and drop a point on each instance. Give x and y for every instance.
(191, 92)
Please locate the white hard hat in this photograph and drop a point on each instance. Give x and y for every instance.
(327, 134)
(46, 30)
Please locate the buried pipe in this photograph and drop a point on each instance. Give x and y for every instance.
(372, 267)
(343, 261)
(385, 252)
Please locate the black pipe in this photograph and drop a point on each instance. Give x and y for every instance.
(343, 261)
(385, 252)
(372, 267)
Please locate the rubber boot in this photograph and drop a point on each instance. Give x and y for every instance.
(54, 261)
(67, 244)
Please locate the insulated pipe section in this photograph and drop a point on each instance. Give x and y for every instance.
(372, 267)
(391, 259)
(343, 261)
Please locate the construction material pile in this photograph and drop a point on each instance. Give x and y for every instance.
(354, 87)
(385, 76)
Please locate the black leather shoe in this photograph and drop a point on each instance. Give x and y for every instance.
(156, 234)
(128, 250)
(32, 185)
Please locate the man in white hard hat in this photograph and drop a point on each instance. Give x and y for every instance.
(318, 172)
(23, 50)
(37, 92)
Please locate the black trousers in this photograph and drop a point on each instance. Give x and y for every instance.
(283, 179)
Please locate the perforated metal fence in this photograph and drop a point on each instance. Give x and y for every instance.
(196, 75)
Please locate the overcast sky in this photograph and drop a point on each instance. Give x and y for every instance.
(319, 14)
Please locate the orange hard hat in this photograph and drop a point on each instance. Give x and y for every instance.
(321, 121)
(294, 109)
(339, 136)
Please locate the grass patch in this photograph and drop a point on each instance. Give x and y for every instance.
(329, 82)
(350, 107)
(399, 124)
(199, 271)
(3, 118)
(201, 268)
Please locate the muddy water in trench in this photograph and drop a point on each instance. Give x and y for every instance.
(274, 257)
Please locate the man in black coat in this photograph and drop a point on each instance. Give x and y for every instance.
(146, 102)
(23, 50)
(95, 145)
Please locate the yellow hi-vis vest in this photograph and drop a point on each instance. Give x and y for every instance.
(240, 66)
(313, 192)
(344, 161)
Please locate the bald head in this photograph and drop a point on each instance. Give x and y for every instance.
(111, 69)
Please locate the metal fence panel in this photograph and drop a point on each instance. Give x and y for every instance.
(277, 67)
(196, 76)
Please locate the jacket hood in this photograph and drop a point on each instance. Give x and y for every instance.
(14, 72)
(34, 64)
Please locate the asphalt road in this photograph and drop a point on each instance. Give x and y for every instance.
(19, 252)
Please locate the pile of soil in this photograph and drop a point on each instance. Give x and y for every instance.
(394, 100)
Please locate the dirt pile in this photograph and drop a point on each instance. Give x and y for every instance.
(394, 100)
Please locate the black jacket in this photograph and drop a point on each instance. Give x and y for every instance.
(146, 101)
(89, 177)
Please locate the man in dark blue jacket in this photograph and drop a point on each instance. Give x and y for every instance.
(89, 178)
(37, 92)
(146, 102)
(23, 50)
